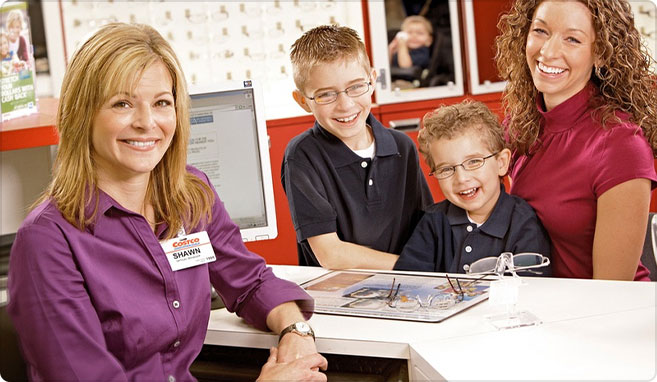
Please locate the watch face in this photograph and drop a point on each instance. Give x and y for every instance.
(302, 327)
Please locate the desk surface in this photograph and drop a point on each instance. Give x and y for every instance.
(591, 330)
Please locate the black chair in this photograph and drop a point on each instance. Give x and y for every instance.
(12, 366)
(649, 255)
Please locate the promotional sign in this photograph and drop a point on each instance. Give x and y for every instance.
(17, 62)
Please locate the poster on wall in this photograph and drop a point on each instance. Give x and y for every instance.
(17, 70)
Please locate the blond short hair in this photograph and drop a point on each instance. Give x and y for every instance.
(111, 61)
(449, 122)
(415, 19)
(15, 16)
(326, 44)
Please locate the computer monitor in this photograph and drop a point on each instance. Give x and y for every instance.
(229, 142)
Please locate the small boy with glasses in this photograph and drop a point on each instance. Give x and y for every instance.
(355, 188)
(463, 144)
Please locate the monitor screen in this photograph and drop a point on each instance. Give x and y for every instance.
(228, 141)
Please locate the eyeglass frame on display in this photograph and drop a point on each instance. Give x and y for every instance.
(505, 263)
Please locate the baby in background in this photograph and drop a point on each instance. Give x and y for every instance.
(464, 146)
(410, 47)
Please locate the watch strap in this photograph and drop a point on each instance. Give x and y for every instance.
(293, 328)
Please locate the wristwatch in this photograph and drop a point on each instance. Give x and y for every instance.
(301, 328)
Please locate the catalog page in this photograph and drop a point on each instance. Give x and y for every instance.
(395, 296)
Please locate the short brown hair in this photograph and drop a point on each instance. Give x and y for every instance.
(325, 44)
(448, 122)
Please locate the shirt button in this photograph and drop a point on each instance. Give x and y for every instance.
(469, 228)
(171, 378)
(363, 164)
(176, 344)
(468, 249)
(371, 182)
(176, 304)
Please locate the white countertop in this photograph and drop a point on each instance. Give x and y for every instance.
(591, 329)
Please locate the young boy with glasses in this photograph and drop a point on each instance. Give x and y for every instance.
(355, 188)
(463, 144)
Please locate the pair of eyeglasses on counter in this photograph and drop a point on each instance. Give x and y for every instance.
(508, 262)
(446, 296)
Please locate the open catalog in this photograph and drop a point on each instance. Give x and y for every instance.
(394, 295)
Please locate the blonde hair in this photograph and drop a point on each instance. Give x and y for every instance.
(416, 19)
(13, 17)
(449, 122)
(623, 77)
(111, 61)
(325, 44)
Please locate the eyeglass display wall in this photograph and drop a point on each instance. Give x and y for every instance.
(215, 41)
(645, 19)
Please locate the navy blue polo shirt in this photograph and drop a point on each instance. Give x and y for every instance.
(372, 202)
(445, 240)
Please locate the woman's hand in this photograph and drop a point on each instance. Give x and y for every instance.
(302, 369)
(293, 346)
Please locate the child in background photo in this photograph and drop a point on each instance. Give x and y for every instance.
(354, 187)
(410, 47)
(17, 43)
(464, 146)
(5, 53)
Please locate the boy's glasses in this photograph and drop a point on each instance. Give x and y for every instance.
(508, 262)
(469, 165)
(352, 91)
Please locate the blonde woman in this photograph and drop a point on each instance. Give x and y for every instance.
(94, 291)
(582, 123)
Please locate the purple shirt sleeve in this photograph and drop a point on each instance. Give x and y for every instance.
(59, 329)
(241, 277)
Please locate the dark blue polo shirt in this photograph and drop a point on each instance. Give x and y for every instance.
(445, 240)
(372, 202)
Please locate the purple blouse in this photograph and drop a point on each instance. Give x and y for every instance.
(103, 304)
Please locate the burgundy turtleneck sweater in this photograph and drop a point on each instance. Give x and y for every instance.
(577, 162)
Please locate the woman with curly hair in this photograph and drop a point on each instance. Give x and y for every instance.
(581, 121)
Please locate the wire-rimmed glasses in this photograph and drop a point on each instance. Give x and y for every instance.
(508, 262)
(468, 165)
(449, 297)
(353, 91)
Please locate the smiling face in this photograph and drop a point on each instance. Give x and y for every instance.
(345, 118)
(14, 30)
(131, 132)
(4, 46)
(418, 35)
(560, 49)
(475, 191)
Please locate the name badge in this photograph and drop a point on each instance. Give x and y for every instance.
(188, 251)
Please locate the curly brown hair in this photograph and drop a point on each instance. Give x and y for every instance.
(623, 75)
(449, 122)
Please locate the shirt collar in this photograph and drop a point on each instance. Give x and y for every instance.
(565, 115)
(341, 155)
(497, 223)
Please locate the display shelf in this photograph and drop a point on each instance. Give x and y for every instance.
(34, 130)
